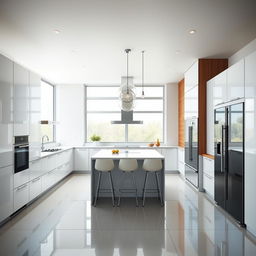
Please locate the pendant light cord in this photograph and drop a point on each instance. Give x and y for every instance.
(142, 93)
(127, 89)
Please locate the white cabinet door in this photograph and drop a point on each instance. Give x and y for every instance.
(21, 100)
(191, 77)
(6, 192)
(250, 142)
(208, 166)
(171, 157)
(210, 118)
(6, 99)
(20, 196)
(181, 160)
(235, 81)
(21, 178)
(220, 88)
(35, 169)
(82, 159)
(34, 116)
(35, 188)
(208, 183)
(191, 103)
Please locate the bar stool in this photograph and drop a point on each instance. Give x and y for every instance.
(128, 166)
(153, 166)
(104, 165)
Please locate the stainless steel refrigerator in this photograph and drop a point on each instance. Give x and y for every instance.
(229, 159)
(191, 150)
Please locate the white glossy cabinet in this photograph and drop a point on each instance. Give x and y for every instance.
(35, 188)
(191, 103)
(250, 142)
(6, 192)
(210, 118)
(6, 115)
(21, 100)
(181, 161)
(82, 156)
(191, 77)
(34, 116)
(20, 196)
(208, 176)
(219, 88)
(171, 156)
(21, 178)
(35, 169)
(235, 81)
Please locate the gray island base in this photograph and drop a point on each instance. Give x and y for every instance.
(123, 180)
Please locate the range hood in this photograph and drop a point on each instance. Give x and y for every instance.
(126, 118)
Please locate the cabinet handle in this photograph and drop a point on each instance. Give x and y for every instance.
(21, 187)
(34, 180)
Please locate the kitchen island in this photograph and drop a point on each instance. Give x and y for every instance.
(121, 181)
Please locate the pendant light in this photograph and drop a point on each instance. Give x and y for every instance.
(142, 86)
(127, 95)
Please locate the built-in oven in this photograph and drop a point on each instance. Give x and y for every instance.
(21, 153)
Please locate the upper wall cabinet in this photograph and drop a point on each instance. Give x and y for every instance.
(191, 103)
(219, 88)
(34, 115)
(6, 119)
(21, 100)
(235, 81)
(191, 77)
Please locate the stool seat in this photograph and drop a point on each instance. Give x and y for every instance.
(152, 165)
(104, 165)
(128, 165)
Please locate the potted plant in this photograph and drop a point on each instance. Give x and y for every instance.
(95, 139)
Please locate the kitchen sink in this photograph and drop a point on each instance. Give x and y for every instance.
(51, 150)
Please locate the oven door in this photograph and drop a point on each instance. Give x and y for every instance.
(21, 158)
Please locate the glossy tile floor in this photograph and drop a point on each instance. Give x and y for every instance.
(64, 223)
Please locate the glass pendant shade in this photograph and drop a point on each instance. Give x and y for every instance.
(127, 99)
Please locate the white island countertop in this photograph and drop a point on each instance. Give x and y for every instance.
(132, 153)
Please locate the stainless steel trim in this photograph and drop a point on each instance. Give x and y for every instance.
(22, 146)
(21, 187)
(36, 179)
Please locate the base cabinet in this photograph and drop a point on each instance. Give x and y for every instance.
(208, 176)
(20, 196)
(35, 188)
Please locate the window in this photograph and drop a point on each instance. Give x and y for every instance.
(47, 109)
(103, 106)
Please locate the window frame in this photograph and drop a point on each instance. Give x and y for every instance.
(115, 112)
(54, 111)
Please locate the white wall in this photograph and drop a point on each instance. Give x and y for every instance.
(70, 114)
(246, 50)
(171, 114)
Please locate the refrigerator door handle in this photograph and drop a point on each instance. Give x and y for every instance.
(190, 138)
(222, 150)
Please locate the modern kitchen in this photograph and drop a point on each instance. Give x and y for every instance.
(127, 128)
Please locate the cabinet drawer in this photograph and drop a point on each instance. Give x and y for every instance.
(21, 178)
(20, 196)
(181, 155)
(35, 188)
(209, 184)
(35, 169)
(208, 166)
(182, 168)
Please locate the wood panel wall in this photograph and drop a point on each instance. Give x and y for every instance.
(181, 128)
(208, 68)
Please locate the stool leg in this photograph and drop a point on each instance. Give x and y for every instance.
(120, 187)
(97, 189)
(159, 189)
(112, 188)
(135, 186)
(144, 189)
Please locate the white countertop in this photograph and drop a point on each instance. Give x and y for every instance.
(132, 154)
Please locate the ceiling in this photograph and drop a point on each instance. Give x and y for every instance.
(93, 35)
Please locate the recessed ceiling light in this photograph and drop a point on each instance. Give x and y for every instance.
(56, 31)
(192, 31)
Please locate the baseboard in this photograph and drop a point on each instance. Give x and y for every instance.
(81, 172)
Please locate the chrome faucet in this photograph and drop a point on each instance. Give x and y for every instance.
(42, 147)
